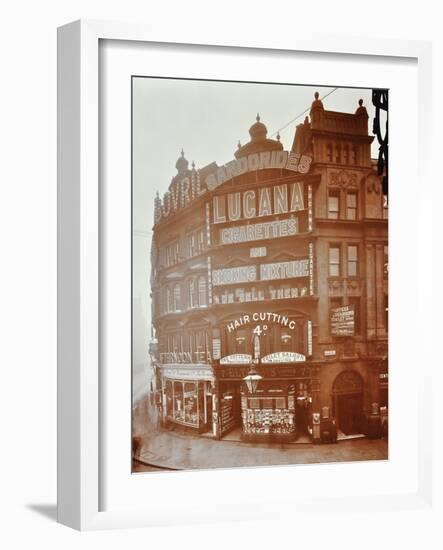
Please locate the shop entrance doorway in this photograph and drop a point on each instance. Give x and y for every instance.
(349, 413)
(230, 414)
(348, 402)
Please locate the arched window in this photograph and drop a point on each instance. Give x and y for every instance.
(168, 304)
(177, 297)
(193, 296)
(202, 291)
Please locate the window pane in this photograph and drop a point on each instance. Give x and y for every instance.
(352, 269)
(334, 270)
(202, 291)
(334, 255)
(351, 199)
(351, 214)
(333, 204)
(352, 252)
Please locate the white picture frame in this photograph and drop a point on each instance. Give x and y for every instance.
(80, 444)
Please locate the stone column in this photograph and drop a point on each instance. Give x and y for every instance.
(371, 320)
(379, 265)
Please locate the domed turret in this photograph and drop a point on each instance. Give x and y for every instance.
(182, 164)
(258, 130)
(259, 142)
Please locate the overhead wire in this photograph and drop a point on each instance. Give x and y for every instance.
(301, 114)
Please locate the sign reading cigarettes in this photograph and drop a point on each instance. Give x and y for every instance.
(262, 272)
(258, 231)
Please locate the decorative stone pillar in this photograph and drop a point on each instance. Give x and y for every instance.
(371, 320)
(315, 405)
(379, 266)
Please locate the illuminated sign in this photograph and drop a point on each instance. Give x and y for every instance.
(258, 231)
(228, 276)
(342, 321)
(251, 204)
(182, 192)
(284, 270)
(257, 252)
(240, 295)
(284, 357)
(260, 316)
(185, 357)
(216, 348)
(236, 358)
(259, 161)
(268, 272)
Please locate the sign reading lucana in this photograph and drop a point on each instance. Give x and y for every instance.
(183, 192)
(257, 203)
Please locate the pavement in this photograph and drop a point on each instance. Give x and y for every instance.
(171, 450)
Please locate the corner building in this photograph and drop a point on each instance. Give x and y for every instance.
(277, 258)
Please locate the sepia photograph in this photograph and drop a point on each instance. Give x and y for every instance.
(259, 274)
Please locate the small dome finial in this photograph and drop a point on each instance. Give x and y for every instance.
(238, 145)
(257, 118)
(360, 102)
(278, 135)
(182, 163)
(193, 165)
(316, 95)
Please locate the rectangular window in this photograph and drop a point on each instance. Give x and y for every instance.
(193, 293)
(177, 297)
(192, 245)
(385, 261)
(352, 260)
(201, 240)
(334, 261)
(351, 206)
(333, 205)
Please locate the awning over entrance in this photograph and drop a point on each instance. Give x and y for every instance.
(187, 372)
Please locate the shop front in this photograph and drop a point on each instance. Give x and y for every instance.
(187, 397)
(277, 411)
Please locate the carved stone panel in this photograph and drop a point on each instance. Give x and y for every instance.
(336, 287)
(373, 196)
(343, 179)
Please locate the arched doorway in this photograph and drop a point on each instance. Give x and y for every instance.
(348, 402)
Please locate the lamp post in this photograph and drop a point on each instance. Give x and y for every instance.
(253, 378)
